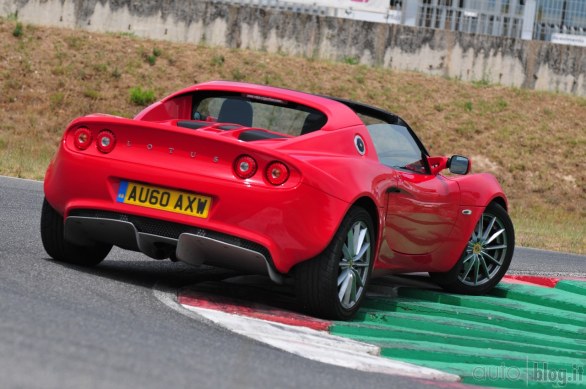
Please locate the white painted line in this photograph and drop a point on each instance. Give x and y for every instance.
(563, 276)
(21, 179)
(305, 342)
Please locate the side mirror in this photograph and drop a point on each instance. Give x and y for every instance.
(459, 164)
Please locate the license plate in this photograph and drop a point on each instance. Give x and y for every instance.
(165, 199)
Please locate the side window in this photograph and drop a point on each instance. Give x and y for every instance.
(396, 147)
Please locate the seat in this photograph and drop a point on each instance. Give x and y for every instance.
(236, 111)
(313, 122)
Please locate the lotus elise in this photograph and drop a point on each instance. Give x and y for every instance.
(322, 192)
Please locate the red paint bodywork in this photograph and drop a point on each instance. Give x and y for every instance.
(420, 228)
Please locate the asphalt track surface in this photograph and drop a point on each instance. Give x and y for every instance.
(63, 326)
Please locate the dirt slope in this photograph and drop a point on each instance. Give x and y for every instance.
(534, 142)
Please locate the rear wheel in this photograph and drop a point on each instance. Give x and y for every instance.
(60, 249)
(487, 255)
(333, 284)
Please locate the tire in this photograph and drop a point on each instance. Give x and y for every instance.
(332, 285)
(60, 249)
(487, 255)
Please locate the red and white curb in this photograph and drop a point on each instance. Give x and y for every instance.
(310, 343)
(537, 280)
(306, 336)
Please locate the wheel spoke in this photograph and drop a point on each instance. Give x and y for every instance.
(357, 278)
(348, 290)
(476, 270)
(494, 236)
(502, 246)
(483, 265)
(468, 258)
(488, 229)
(352, 294)
(344, 288)
(360, 254)
(355, 239)
(468, 266)
(343, 275)
(346, 253)
(492, 258)
(359, 235)
(350, 243)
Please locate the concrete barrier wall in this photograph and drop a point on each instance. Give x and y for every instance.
(527, 64)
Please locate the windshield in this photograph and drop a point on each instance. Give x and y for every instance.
(395, 147)
(396, 144)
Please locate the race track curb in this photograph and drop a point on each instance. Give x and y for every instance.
(301, 335)
(529, 332)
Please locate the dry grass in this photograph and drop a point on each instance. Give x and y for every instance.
(534, 142)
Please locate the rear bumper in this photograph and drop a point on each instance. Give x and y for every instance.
(290, 224)
(160, 240)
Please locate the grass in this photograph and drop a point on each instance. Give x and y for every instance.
(138, 96)
(543, 231)
(533, 142)
(17, 32)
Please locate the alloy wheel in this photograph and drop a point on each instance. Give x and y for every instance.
(485, 252)
(354, 265)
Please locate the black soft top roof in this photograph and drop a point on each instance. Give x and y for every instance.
(369, 110)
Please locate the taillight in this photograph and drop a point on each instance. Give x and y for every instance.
(277, 173)
(82, 138)
(105, 141)
(245, 166)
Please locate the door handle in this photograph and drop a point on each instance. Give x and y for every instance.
(393, 189)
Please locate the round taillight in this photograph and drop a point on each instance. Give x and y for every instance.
(106, 141)
(245, 166)
(82, 138)
(277, 173)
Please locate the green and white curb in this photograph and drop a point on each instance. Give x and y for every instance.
(518, 336)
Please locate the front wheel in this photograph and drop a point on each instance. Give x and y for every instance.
(333, 284)
(487, 255)
(62, 250)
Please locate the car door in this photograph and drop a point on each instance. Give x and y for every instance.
(421, 211)
(422, 207)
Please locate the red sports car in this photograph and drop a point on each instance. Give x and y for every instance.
(323, 191)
